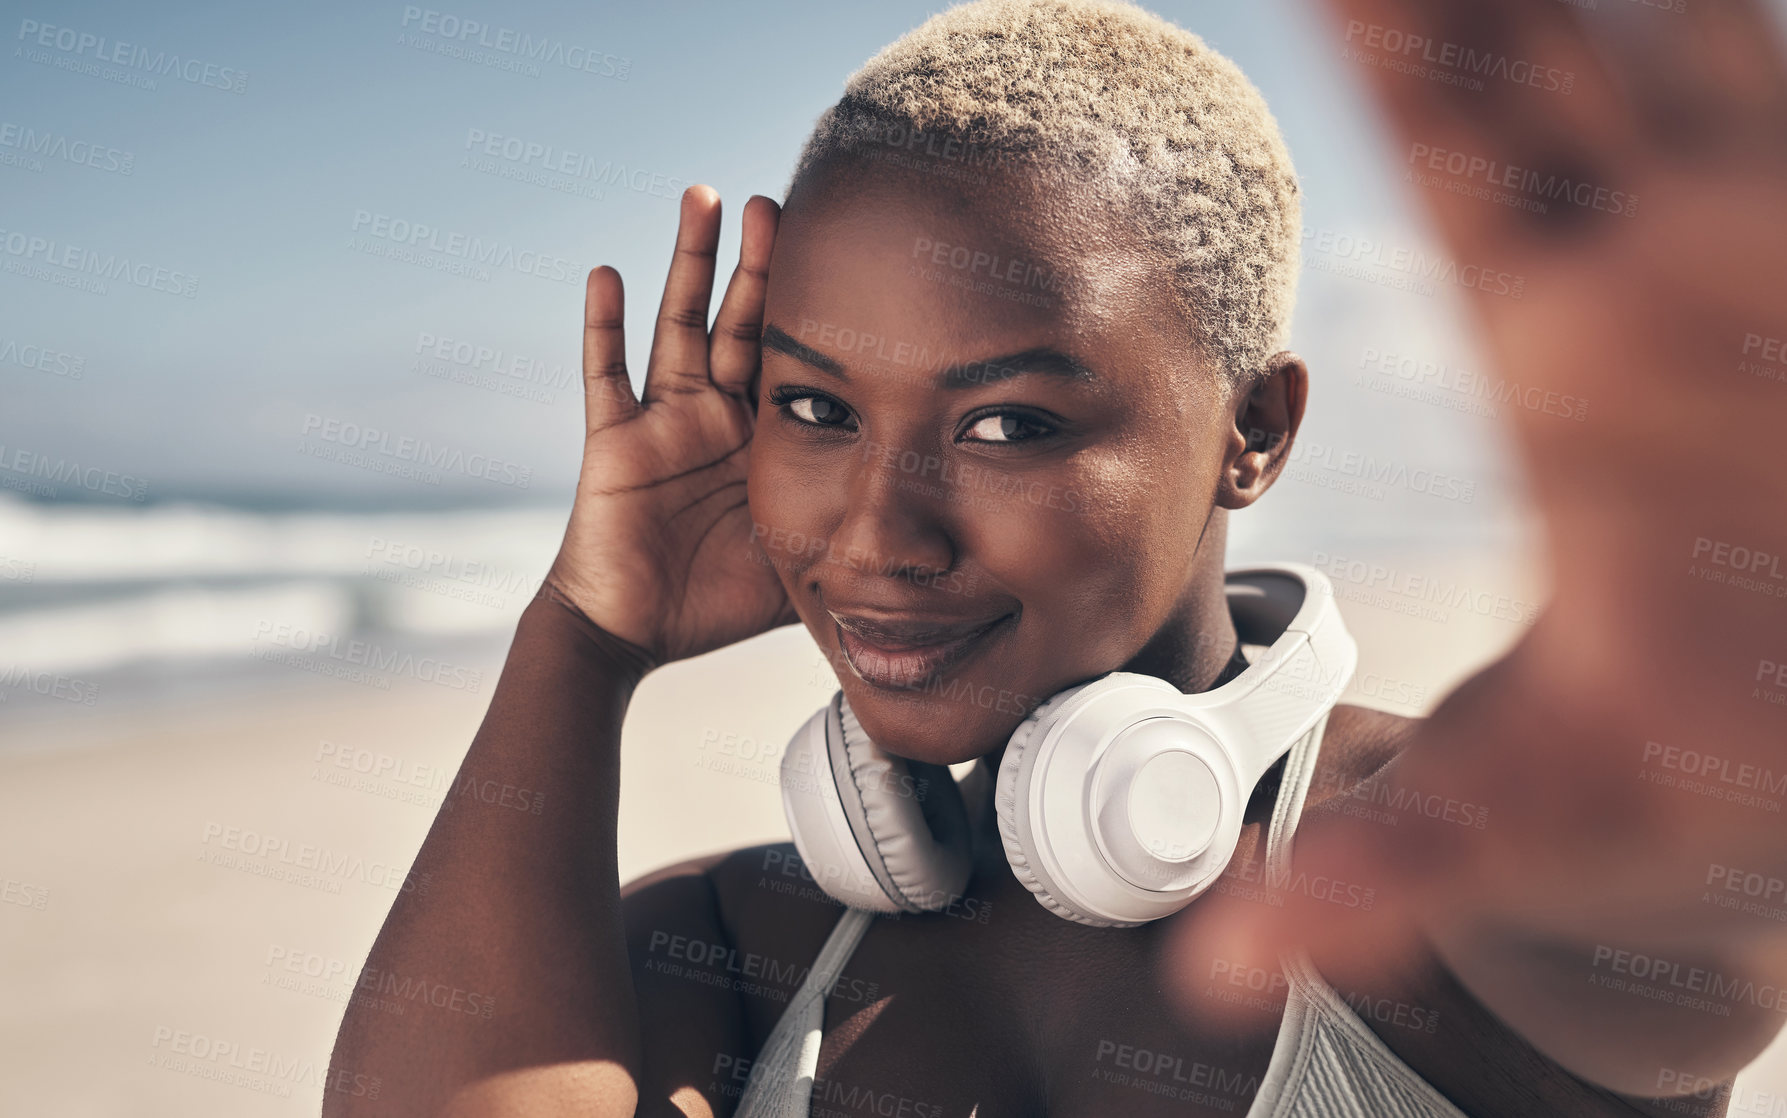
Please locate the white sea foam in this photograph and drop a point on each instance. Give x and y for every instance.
(85, 590)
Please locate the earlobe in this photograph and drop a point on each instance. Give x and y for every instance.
(1267, 416)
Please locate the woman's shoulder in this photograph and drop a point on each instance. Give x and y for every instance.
(773, 867)
(741, 893)
(1358, 744)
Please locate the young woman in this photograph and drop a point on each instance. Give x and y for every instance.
(979, 477)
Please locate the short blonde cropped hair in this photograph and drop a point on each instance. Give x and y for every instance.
(1118, 99)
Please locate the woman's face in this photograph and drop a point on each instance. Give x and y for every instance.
(985, 451)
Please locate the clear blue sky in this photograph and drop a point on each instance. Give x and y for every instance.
(257, 195)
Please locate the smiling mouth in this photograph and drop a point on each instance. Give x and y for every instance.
(899, 662)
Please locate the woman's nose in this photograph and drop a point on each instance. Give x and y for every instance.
(896, 520)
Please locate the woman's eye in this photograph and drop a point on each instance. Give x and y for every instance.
(818, 411)
(1005, 427)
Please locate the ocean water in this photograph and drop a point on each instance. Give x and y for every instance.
(109, 607)
(104, 605)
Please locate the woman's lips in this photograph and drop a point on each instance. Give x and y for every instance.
(906, 657)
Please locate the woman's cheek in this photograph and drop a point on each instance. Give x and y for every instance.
(784, 520)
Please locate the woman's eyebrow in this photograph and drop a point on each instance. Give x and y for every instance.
(778, 339)
(1037, 359)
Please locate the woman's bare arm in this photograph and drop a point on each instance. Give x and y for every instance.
(522, 908)
(523, 922)
(1591, 915)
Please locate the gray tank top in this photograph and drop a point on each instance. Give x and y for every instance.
(1327, 1063)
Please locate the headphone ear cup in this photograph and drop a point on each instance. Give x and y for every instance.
(875, 831)
(1013, 811)
(913, 828)
(814, 807)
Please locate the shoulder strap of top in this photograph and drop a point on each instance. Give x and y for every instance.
(781, 1083)
(1326, 1060)
(1293, 790)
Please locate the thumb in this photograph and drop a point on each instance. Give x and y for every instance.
(1347, 895)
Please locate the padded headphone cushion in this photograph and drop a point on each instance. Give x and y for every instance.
(915, 814)
(1008, 805)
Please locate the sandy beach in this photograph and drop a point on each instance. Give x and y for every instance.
(191, 887)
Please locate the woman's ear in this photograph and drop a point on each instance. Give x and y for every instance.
(1266, 420)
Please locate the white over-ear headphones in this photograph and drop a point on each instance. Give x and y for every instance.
(1119, 800)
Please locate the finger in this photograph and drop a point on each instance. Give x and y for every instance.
(607, 393)
(1497, 108)
(736, 351)
(1522, 120)
(1344, 896)
(1713, 80)
(679, 340)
